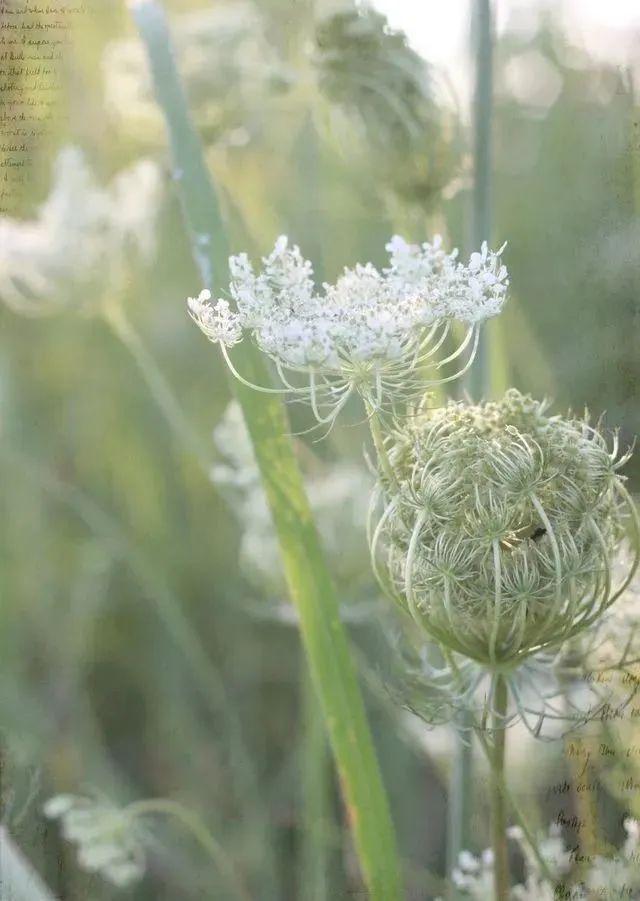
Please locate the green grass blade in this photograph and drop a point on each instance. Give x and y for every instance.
(18, 878)
(309, 581)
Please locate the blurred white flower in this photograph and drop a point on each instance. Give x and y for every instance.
(338, 495)
(373, 332)
(108, 839)
(81, 238)
(617, 876)
(474, 876)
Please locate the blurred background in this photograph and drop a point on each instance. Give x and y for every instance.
(146, 645)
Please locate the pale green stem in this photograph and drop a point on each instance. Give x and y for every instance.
(378, 443)
(192, 822)
(516, 810)
(310, 585)
(501, 880)
(162, 393)
(502, 783)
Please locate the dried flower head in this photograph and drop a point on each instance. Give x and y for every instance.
(81, 238)
(372, 332)
(385, 103)
(108, 839)
(500, 533)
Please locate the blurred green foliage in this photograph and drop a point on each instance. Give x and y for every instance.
(109, 524)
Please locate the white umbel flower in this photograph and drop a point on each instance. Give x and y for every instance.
(374, 332)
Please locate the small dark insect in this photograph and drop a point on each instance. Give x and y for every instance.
(538, 533)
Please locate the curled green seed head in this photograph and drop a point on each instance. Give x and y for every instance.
(500, 532)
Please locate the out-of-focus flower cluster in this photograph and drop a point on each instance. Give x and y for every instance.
(611, 877)
(82, 237)
(338, 494)
(228, 66)
(108, 840)
(372, 331)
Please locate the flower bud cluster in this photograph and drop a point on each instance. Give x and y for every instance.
(500, 531)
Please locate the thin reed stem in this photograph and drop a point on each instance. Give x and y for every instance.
(481, 199)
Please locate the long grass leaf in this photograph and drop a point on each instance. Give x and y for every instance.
(310, 585)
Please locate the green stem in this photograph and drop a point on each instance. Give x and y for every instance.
(191, 821)
(161, 391)
(498, 798)
(316, 799)
(502, 782)
(309, 582)
(378, 442)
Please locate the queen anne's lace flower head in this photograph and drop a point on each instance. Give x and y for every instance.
(500, 534)
(374, 331)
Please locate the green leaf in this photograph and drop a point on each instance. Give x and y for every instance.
(309, 581)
